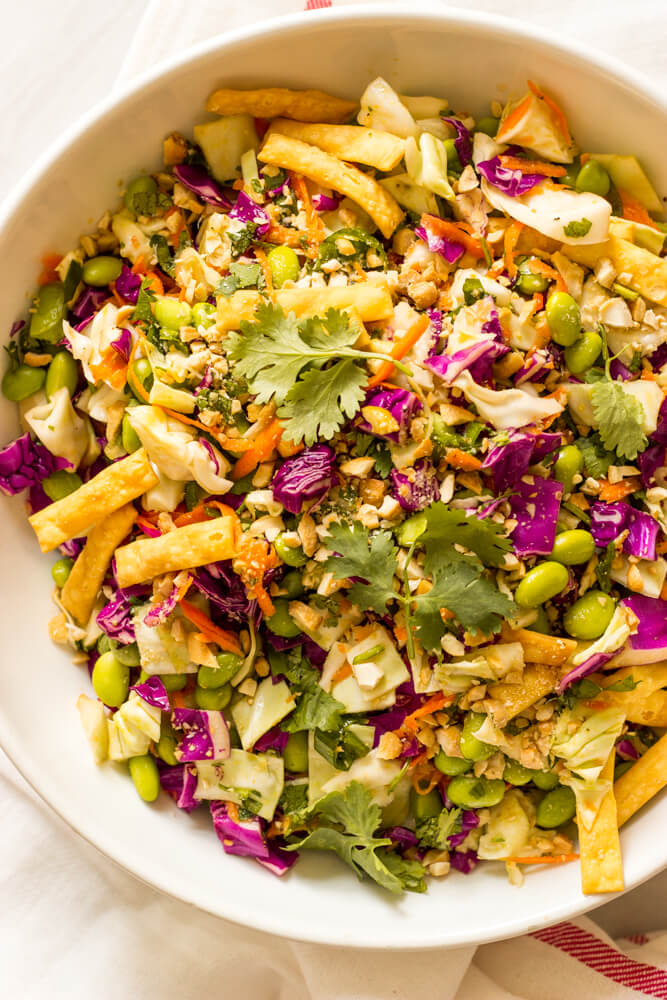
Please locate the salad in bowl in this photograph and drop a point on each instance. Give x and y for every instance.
(348, 428)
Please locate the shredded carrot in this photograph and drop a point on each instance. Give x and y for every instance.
(462, 460)
(456, 232)
(232, 811)
(549, 859)
(555, 109)
(49, 274)
(401, 633)
(112, 369)
(139, 267)
(514, 117)
(226, 640)
(661, 547)
(117, 298)
(260, 449)
(345, 670)
(634, 210)
(532, 166)
(538, 302)
(424, 776)
(153, 282)
(433, 704)
(145, 524)
(399, 349)
(266, 271)
(198, 513)
(511, 238)
(281, 234)
(237, 445)
(254, 557)
(314, 225)
(584, 158)
(538, 266)
(616, 491)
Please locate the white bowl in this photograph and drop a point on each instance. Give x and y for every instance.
(469, 59)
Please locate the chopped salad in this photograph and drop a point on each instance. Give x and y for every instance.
(349, 429)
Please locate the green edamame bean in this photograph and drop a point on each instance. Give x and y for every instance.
(19, 383)
(583, 354)
(128, 436)
(544, 780)
(46, 322)
(60, 484)
(541, 623)
(541, 583)
(211, 678)
(140, 195)
(293, 584)
(290, 555)
(569, 463)
(61, 570)
(167, 744)
(425, 806)
(594, 178)
(516, 774)
(101, 271)
(111, 680)
(174, 682)
(295, 753)
(172, 313)
(146, 777)
(281, 622)
(203, 314)
(411, 529)
(104, 645)
(284, 265)
(471, 747)
(528, 282)
(556, 808)
(454, 165)
(451, 766)
(213, 699)
(569, 178)
(229, 664)
(63, 371)
(128, 655)
(475, 793)
(143, 371)
(564, 318)
(588, 617)
(488, 125)
(573, 547)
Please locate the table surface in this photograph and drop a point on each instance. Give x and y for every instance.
(65, 57)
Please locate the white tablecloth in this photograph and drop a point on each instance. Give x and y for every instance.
(71, 923)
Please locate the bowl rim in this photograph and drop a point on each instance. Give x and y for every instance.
(11, 206)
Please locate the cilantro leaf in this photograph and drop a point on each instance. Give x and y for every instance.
(143, 309)
(434, 831)
(626, 684)
(620, 419)
(148, 201)
(294, 797)
(316, 708)
(377, 449)
(360, 240)
(603, 568)
(447, 525)
(596, 459)
(578, 229)
(354, 810)
(371, 557)
(472, 598)
(243, 239)
(318, 404)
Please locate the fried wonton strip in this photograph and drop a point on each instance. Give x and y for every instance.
(646, 704)
(279, 102)
(507, 700)
(644, 780)
(370, 303)
(647, 273)
(106, 492)
(84, 582)
(182, 548)
(599, 846)
(548, 650)
(353, 143)
(330, 172)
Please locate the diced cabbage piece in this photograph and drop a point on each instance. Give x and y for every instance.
(134, 243)
(373, 772)
(506, 408)
(424, 107)
(427, 164)
(320, 771)
(231, 780)
(133, 728)
(382, 109)
(646, 576)
(223, 143)
(176, 450)
(270, 703)
(158, 650)
(531, 123)
(586, 748)
(59, 427)
(509, 827)
(409, 195)
(94, 722)
(561, 214)
(349, 691)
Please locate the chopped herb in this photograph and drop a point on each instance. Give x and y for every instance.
(603, 568)
(626, 684)
(578, 229)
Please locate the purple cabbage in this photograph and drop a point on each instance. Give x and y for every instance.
(275, 739)
(401, 836)
(115, 619)
(206, 735)
(659, 358)
(509, 462)
(652, 626)
(199, 181)
(206, 382)
(122, 345)
(407, 701)
(245, 838)
(72, 548)
(438, 244)
(226, 592)
(87, 304)
(626, 750)
(316, 654)
(180, 782)
(417, 487)
(619, 372)
(304, 477)
(462, 142)
(401, 403)
(435, 316)
(463, 861)
(650, 460)
(16, 326)
(511, 182)
(24, 463)
(154, 693)
(535, 506)
(532, 367)
(545, 444)
(325, 203)
(659, 435)
(469, 821)
(608, 520)
(128, 285)
(247, 211)
(449, 367)
(593, 663)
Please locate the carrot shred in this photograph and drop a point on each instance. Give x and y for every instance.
(314, 226)
(422, 772)
(513, 118)
(237, 445)
(399, 349)
(634, 210)
(198, 513)
(550, 859)
(212, 632)
(556, 111)
(617, 491)
(49, 274)
(260, 449)
(457, 232)
(661, 547)
(139, 267)
(532, 166)
(146, 525)
(538, 266)
(254, 557)
(266, 271)
(345, 670)
(112, 369)
(511, 239)
(433, 704)
(153, 282)
(462, 460)
(283, 235)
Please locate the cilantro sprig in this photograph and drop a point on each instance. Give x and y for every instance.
(619, 416)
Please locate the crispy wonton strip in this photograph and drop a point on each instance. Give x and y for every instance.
(646, 704)
(182, 548)
(354, 143)
(279, 102)
(644, 780)
(110, 489)
(648, 273)
(511, 699)
(549, 650)
(371, 302)
(83, 583)
(327, 170)
(600, 847)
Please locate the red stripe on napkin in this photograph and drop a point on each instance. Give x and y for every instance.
(607, 961)
(317, 4)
